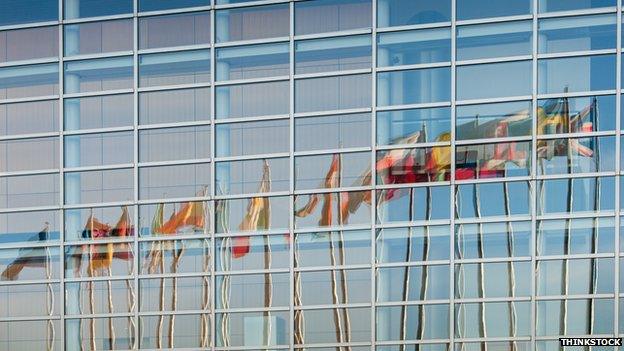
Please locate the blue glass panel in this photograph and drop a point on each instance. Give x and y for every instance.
(156, 5)
(568, 5)
(93, 8)
(494, 40)
(182, 67)
(498, 120)
(471, 9)
(254, 61)
(413, 47)
(98, 75)
(333, 93)
(494, 80)
(490, 199)
(577, 33)
(573, 74)
(248, 23)
(413, 244)
(414, 86)
(27, 11)
(330, 15)
(393, 127)
(576, 155)
(576, 195)
(408, 12)
(490, 240)
(585, 114)
(29, 81)
(333, 54)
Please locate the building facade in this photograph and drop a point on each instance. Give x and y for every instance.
(309, 175)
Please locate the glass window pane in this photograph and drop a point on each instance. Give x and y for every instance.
(553, 315)
(493, 280)
(413, 244)
(402, 166)
(582, 33)
(331, 15)
(332, 132)
(233, 216)
(494, 40)
(98, 149)
(252, 138)
(98, 75)
(29, 191)
(419, 282)
(169, 144)
(99, 186)
(317, 325)
(188, 291)
(413, 126)
(93, 8)
(574, 74)
(576, 195)
(333, 54)
(315, 249)
(472, 9)
(103, 338)
(507, 119)
(413, 47)
(332, 171)
(18, 335)
(510, 159)
(174, 181)
(232, 325)
(171, 68)
(316, 287)
(23, 296)
(29, 81)
(29, 154)
(391, 319)
(414, 86)
(98, 37)
(413, 204)
(333, 93)
(309, 215)
(99, 112)
(183, 218)
(29, 118)
(569, 5)
(250, 100)
(584, 114)
(493, 200)
(576, 155)
(28, 11)
(93, 296)
(245, 253)
(248, 23)
(157, 5)
(575, 276)
(157, 257)
(30, 263)
(575, 236)
(245, 177)
(32, 226)
(273, 287)
(169, 106)
(491, 240)
(174, 30)
(500, 319)
(503, 80)
(28, 43)
(409, 12)
(99, 223)
(252, 61)
(190, 331)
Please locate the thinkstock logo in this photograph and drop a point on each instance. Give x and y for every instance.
(590, 341)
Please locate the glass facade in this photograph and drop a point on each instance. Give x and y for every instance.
(315, 175)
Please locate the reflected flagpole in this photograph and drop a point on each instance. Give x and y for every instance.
(481, 249)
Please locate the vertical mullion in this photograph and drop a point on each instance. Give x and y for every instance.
(213, 147)
(452, 179)
(61, 214)
(135, 170)
(373, 212)
(291, 166)
(533, 184)
(618, 165)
